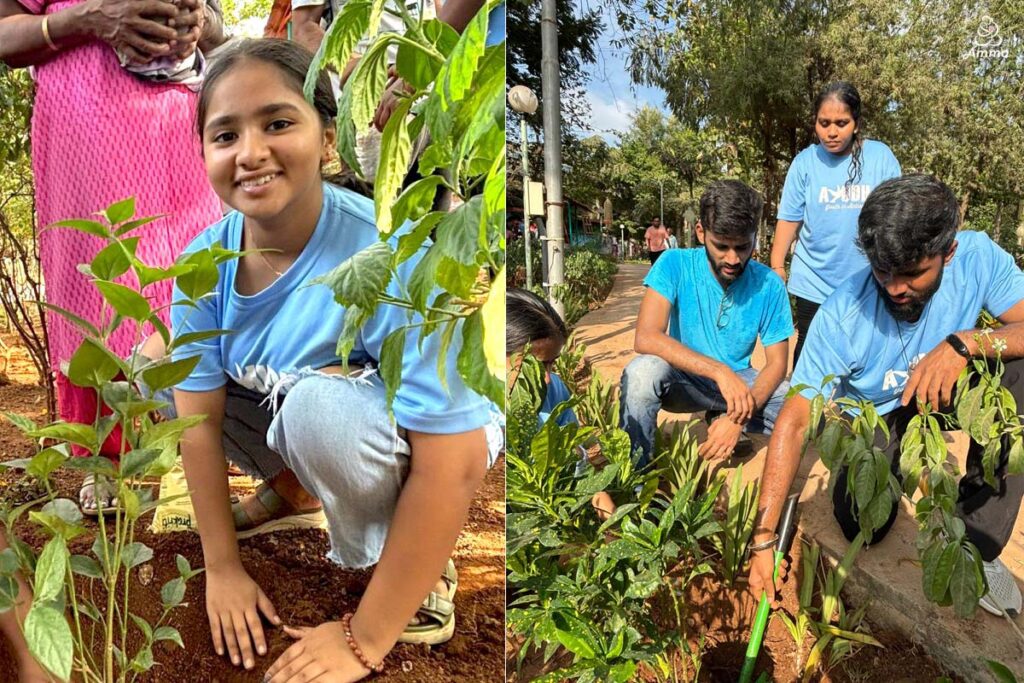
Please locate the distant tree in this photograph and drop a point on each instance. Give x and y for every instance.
(578, 32)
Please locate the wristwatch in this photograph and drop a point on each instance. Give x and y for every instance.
(958, 346)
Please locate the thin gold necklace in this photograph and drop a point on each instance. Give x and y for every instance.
(252, 238)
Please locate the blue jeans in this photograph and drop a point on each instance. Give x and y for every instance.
(650, 384)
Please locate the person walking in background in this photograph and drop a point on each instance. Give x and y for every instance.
(673, 243)
(825, 189)
(101, 134)
(656, 239)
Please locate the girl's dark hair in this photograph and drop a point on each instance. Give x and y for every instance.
(290, 58)
(529, 318)
(847, 94)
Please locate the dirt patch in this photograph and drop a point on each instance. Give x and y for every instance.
(305, 587)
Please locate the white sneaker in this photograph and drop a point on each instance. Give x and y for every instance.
(1002, 590)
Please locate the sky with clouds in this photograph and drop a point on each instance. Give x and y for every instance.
(611, 96)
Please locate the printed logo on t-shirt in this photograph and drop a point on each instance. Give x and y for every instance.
(843, 196)
(896, 380)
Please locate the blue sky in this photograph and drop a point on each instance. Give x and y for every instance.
(612, 98)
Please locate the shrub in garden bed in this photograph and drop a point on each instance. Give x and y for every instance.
(952, 572)
(611, 593)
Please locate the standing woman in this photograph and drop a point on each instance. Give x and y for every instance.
(101, 133)
(825, 189)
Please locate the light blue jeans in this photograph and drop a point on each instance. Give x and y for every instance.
(335, 433)
(650, 384)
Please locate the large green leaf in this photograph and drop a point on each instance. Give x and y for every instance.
(51, 570)
(457, 74)
(416, 65)
(202, 278)
(391, 354)
(114, 260)
(340, 41)
(458, 233)
(368, 79)
(49, 639)
(169, 374)
(91, 365)
(416, 200)
(472, 363)
(395, 149)
(121, 211)
(124, 300)
(360, 280)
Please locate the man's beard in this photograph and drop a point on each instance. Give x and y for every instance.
(717, 268)
(912, 310)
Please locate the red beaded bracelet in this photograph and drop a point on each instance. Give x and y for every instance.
(346, 622)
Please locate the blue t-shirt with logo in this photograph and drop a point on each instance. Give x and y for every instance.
(855, 338)
(816, 192)
(723, 324)
(293, 325)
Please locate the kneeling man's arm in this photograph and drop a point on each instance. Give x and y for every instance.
(769, 379)
(780, 470)
(934, 378)
(652, 339)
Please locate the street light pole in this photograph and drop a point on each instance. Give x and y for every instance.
(526, 200)
(524, 101)
(550, 78)
(661, 213)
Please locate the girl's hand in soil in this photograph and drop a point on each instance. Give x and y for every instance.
(723, 435)
(319, 654)
(233, 604)
(762, 567)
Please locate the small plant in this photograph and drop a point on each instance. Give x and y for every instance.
(569, 361)
(104, 610)
(835, 630)
(585, 585)
(737, 526)
(599, 405)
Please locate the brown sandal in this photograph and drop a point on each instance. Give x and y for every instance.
(279, 515)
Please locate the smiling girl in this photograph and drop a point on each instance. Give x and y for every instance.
(825, 189)
(395, 493)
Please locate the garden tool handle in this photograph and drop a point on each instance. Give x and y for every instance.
(786, 533)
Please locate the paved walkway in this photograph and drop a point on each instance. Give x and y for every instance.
(887, 575)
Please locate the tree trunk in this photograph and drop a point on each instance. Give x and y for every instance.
(965, 203)
(997, 223)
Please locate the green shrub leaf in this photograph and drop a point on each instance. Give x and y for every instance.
(49, 639)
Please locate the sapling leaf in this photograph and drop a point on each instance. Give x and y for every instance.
(143, 660)
(126, 227)
(1015, 464)
(124, 300)
(144, 626)
(134, 554)
(45, 462)
(391, 354)
(173, 592)
(49, 639)
(118, 212)
(137, 461)
(50, 571)
(1001, 671)
(361, 279)
(168, 633)
(114, 260)
(96, 464)
(88, 227)
(83, 565)
(169, 374)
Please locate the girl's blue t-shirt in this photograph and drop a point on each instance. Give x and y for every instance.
(723, 324)
(869, 356)
(556, 393)
(816, 192)
(293, 325)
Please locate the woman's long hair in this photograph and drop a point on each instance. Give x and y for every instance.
(847, 94)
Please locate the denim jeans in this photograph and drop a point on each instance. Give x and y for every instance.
(650, 384)
(335, 433)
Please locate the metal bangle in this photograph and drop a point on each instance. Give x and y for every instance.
(764, 545)
(46, 34)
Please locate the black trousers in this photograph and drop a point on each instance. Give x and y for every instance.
(653, 255)
(989, 514)
(805, 311)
